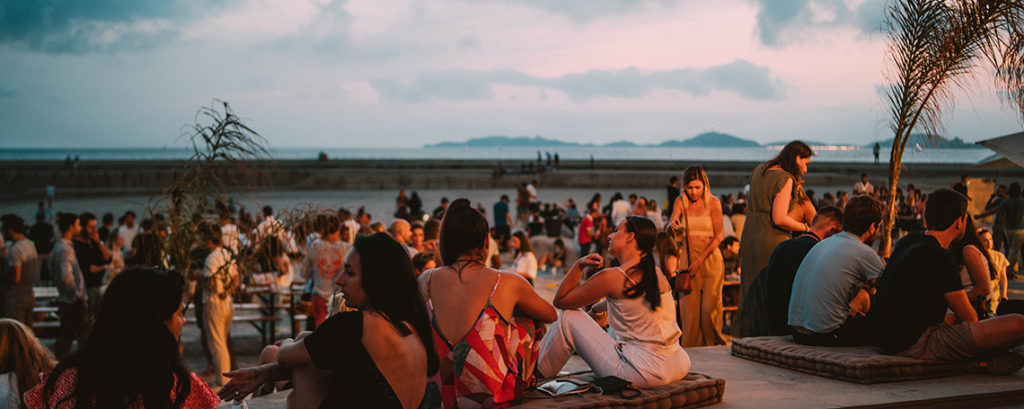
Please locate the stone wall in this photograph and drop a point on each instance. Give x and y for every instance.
(114, 177)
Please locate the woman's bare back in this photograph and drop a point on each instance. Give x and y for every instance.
(401, 359)
(457, 302)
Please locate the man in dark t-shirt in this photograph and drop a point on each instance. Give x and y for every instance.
(784, 262)
(42, 235)
(918, 285)
(672, 191)
(93, 257)
(502, 219)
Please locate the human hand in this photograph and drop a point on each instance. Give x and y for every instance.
(860, 304)
(243, 382)
(590, 260)
(692, 268)
(950, 319)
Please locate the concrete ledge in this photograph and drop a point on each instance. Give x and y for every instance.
(758, 386)
(107, 177)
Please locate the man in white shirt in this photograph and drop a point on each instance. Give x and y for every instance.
(531, 190)
(620, 209)
(230, 238)
(23, 265)
(128, 231)
(220, 278)
(863, 187)
(270, 226)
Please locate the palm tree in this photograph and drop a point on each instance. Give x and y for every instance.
(937, 47)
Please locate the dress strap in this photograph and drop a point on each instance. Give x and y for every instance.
(429, 276)
(627, 276)
(496, 281)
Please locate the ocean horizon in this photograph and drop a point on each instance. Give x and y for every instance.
(512, 154)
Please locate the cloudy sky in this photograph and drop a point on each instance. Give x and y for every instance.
(371, 73)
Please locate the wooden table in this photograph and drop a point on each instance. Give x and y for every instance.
(730, 298)
(266, 323)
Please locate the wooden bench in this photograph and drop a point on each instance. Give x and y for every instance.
(262, 323)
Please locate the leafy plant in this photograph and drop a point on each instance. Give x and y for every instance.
(225, 153)
(936, 48)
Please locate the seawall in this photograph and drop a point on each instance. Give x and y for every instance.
(20, 178)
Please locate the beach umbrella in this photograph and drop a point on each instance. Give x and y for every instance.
(1009, 151)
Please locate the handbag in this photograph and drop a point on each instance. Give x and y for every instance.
(683, 279)
(611, 384)
(563, 387)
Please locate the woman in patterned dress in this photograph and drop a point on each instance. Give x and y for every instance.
(485, 321)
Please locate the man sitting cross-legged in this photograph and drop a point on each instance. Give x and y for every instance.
(921, 282)
(832, 289)
(784, 262)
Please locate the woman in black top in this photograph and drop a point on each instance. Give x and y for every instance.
(379, 356)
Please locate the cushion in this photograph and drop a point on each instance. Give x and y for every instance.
(863, 364)
(694, 391)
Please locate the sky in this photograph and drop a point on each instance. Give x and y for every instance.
(395, 73)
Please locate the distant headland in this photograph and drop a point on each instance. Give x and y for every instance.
(704, 140)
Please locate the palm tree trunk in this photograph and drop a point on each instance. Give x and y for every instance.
(895, 165)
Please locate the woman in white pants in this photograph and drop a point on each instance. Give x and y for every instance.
(642, 342)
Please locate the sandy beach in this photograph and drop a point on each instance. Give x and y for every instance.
(117, 186)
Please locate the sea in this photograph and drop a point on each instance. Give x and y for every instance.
(822, 153)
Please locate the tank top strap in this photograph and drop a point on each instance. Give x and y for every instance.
(489, 296)
(626, 275)
(430, 274)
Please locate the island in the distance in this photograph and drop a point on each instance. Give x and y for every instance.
(704, 140)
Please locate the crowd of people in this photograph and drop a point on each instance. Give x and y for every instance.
(440, 309)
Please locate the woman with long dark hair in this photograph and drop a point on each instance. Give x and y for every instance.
(132, 358)
(698, 214)
(776, 209)
(525, 261)
(472, 307)
(976, 270)
(379, 355)
(642, 342)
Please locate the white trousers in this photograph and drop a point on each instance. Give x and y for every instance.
(217, 315)
(576, 331)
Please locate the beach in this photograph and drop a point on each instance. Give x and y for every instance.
(374, 185)
(121, 185)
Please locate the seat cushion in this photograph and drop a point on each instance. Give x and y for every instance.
(694, 391)
(863, 364)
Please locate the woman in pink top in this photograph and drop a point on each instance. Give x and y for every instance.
(487, 349)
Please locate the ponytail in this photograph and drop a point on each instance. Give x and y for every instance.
(649, 282)
(645, 234)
